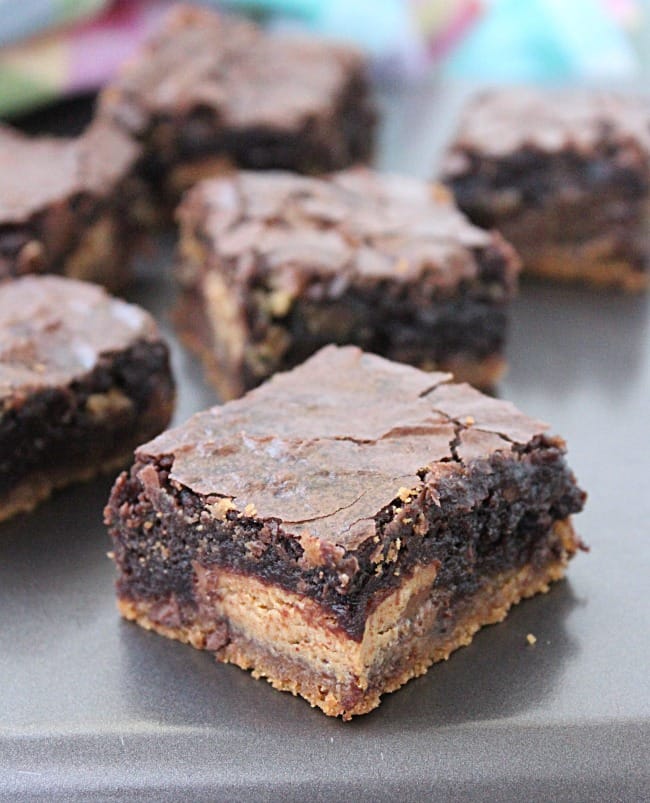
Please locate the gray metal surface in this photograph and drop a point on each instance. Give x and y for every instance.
(93, 708)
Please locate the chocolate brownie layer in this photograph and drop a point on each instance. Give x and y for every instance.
(208, 90)
(65, 204)
(565, 176)
(355, 518)
(274, 266)
(83, 379)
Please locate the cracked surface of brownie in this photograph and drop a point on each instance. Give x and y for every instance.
(356, 491)
(275, 266)
(84, 378)
(65, 204)
(210, 89)
(565, 176)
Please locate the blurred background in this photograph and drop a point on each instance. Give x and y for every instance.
(55, 49)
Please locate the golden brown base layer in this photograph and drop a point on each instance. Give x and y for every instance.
(589, 264)
(298, 647)
(612, 273)
(39, 486)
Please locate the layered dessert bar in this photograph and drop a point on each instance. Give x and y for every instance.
(84, 378)
(343, 526)
(209, 91)
(565, 176)
(65, 204)
(274, 266)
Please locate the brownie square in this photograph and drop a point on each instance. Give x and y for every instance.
(565, 176)
(65, 204)
(343, 526)
(209, 90)
(84, 378)
(274, 266)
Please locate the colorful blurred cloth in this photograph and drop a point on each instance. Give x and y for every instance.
(48, 59)
(21, 19)
(55, 48)
(68, 59)
(403, 37)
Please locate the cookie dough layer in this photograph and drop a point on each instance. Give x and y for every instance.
(39, 486)
(603, 258)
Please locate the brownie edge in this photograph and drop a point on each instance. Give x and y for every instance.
(66, 204)
(84, 378)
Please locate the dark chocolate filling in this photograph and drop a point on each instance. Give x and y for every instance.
(52, 429)
(404, 322)
(536, 178)
(419, 334)
(494, 515)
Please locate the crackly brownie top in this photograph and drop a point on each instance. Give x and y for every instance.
(54, 330)
(498, 122)
(38, 171)
(357, 223)
(199, 59)
(326, 446)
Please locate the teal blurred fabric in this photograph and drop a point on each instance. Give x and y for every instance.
(551, 40)
(405, 37)
(513, 40)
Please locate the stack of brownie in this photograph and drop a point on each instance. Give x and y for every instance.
(565, 175)
(346, 518)
(209, 91)
(274, 266)
(343, 526)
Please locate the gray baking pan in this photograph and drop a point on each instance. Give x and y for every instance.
(94, 708)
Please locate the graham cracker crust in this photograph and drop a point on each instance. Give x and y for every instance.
(299, 647)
